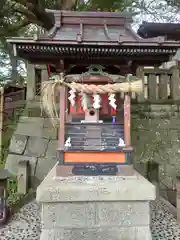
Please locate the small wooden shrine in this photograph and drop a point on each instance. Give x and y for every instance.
(94, 139)
(95, 55)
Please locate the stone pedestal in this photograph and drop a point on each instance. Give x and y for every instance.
(100, 207)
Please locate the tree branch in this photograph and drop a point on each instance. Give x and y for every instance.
(42, 18)
(68, 4)
(24, 11)
(2, 3)
(15, 27)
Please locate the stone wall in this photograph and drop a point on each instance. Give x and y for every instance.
(155, 136)
(35, 140)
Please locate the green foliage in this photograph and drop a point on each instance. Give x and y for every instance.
(24, 18)
(16, 15)
(173, 3)
(4, 65)
(12, 186)
(110, 5)
(8, 128)
(10, 125)
(14, 199)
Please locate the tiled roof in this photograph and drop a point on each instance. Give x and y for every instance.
(91, 27)
(170, 31)
(90, 35)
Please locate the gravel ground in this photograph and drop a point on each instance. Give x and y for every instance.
(25, 225)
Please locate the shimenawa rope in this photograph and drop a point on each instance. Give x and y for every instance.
(50, 90)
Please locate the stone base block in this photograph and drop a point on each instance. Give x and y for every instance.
(88, 214)
(99, 207)
(110, 233)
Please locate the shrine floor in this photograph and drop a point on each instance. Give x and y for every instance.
(25, 225)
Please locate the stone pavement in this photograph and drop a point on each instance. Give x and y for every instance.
(25, 225)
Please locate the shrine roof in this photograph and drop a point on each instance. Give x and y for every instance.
(90, 27)
(150, 30)
(88, 35)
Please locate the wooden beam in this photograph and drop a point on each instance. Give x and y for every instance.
(175, 84)
(1, 120)
(127, 120)
(62, 110)
(139, 60)
(60, 66)
(140, 74)
(62, 118)
(119, 103)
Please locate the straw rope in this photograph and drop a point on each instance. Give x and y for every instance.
(50, 89)
(135, 86)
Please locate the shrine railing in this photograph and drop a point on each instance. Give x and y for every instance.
(94, 137)
(160, 86)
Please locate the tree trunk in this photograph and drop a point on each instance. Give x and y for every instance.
(68, 4)
(14, 72)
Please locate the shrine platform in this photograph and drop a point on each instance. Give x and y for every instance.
(105, 207)
(26, 224)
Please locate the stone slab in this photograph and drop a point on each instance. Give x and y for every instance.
(116, 233)
(32, 120)
(127, 213)
(30, 126)
(18, 144)
(13, 160)
(96, 188)
(29, 130)
(33, 110)
(74, 215)
(43, 166)
(50, 133)
(4, 174)
(52, 149)
(36, 147)
(88, 214)
(48, 124)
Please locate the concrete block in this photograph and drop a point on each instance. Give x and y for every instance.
(98, 207)
(70, 215)
(23, 177)
(18, 144)
(116, 233)
(123, 213)
(36, 147)
(98, 188)
(102, 214)
(13, 160)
